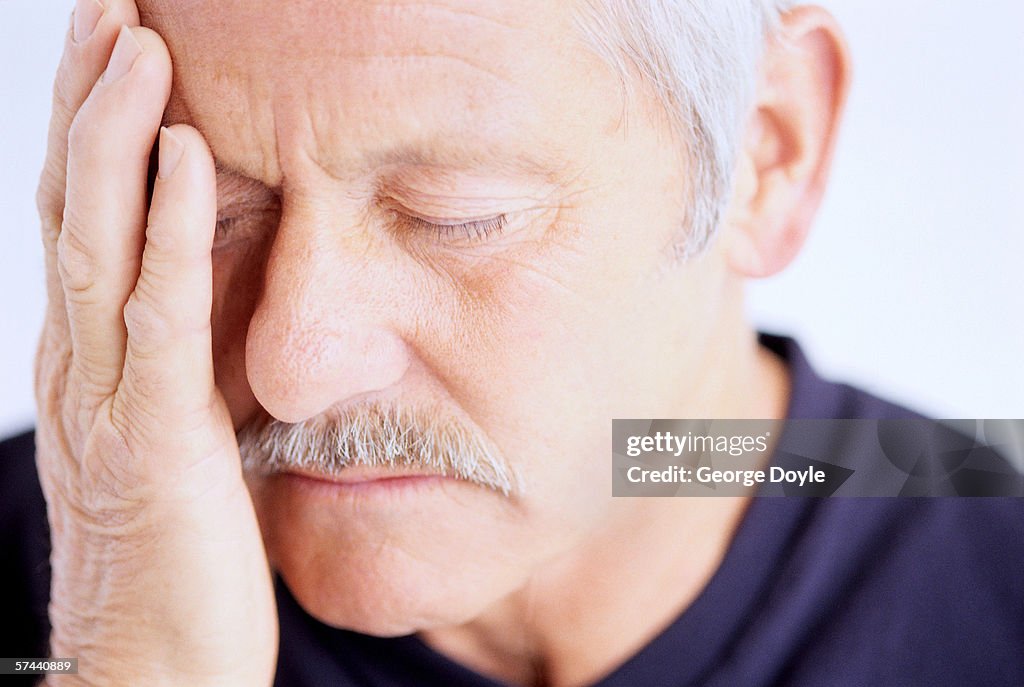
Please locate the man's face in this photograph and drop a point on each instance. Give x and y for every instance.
(447, 206)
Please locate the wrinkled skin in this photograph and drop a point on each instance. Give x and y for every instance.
(433, 204)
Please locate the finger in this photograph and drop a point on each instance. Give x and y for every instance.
(168, 373)
(100, 244)
(87, 45)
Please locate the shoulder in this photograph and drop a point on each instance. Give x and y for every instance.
(860, 590)
(937, 538)
(884, 449)
(24, 539)
(910, 590)
(815, 397)
(913, 590)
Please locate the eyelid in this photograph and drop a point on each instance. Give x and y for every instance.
(475, 229)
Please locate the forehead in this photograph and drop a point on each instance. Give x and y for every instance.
(347, 86)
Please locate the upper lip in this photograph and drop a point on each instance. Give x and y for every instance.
(355, 474)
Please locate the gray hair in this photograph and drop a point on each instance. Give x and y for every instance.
(700, 59)
(428, 439)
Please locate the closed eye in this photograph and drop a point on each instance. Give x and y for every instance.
(474, 230)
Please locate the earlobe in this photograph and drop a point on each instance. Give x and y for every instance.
(788, 145)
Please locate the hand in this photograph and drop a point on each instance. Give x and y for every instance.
(159, 571)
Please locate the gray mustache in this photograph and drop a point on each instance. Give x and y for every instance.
(376, 435)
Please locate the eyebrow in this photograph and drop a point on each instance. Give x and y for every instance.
(494, 158)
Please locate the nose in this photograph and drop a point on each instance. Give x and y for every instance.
(326, 328)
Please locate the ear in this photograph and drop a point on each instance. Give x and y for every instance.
(784, 162)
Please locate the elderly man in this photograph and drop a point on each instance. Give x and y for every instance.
(327, 380)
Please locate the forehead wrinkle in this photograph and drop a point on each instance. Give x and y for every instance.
(258, 115)
(477, 131)
(465, 9)
(263, 168)
(441, 160)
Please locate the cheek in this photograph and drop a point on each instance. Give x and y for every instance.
(541, 381)
(238, 274)
(574, 328)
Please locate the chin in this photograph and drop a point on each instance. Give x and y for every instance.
(390, 600)
(388, 564)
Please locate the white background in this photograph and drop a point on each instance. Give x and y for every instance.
(911, 285)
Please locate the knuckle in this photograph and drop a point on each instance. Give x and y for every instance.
(81, 132)
(148, 328)
(76, 264)
(50, 200)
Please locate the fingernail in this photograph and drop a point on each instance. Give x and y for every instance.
(170, 152)
(126, 51)
(87, 16)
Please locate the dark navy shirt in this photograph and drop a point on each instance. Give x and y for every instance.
(816, 592)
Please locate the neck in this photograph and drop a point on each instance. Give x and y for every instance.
(595, 607)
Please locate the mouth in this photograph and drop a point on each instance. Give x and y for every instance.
(364, 479)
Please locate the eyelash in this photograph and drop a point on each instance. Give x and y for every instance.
(474, 230)
(226, 229)
(226, 224)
